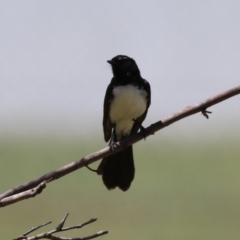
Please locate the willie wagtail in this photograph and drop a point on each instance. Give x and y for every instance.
(126, 104)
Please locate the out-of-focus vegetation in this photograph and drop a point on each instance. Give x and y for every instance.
(182, 190)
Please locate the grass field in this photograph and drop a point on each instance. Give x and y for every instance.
(182, 190)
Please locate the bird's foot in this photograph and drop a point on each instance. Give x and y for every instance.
(113, 145)
(205, 113)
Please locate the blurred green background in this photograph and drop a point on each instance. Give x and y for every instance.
(183, 189)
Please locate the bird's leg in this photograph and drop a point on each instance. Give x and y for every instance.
(113, 141)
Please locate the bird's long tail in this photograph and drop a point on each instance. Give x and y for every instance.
(118, 170)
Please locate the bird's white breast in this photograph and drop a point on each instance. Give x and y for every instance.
(129, 103)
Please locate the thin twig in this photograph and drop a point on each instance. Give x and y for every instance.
(51, 176)
(36, 228)
(60, 226)
(80, 225)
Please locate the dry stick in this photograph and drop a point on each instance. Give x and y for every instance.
(23, 195)
(201, 107)
(60, 228)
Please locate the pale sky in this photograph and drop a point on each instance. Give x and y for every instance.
(53, 69)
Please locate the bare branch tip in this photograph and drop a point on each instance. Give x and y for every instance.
(61, 224)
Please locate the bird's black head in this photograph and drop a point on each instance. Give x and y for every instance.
(124, 67)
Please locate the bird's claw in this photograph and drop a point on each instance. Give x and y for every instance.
(205, 113)
(113, 146)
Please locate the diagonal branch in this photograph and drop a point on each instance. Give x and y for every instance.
(190, 110)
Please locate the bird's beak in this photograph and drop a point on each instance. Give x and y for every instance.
(110, 62)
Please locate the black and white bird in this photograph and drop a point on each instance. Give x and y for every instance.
(126, 104)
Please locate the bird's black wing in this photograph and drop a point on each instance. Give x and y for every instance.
(107, 124)
(139, 120)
